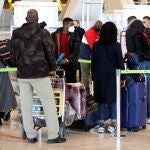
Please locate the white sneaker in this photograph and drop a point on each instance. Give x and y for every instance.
(101, 128)
(148, 121)
(111, 129)
(96, 127)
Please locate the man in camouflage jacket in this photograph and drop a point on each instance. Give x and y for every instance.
(33, 55)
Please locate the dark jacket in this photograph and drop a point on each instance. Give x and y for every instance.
(85, 51)
(134, 42)
(33, 51)
(7, 96)
(146, 41)
(105, 60)
(80, 32)
(89, 38)
(73, 45)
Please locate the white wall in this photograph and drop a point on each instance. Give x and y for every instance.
(111, 5)
(6, 18)
(119, 17)
(1, 6)
(73, 9)
(48, 12)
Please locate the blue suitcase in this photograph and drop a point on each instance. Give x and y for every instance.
(133, 105)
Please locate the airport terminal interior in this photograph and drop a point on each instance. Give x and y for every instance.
(12, 16)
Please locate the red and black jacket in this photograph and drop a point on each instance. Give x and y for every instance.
(73, 45)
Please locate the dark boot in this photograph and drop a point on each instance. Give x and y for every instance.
(0, 118)
(87, 91)
(6, 116)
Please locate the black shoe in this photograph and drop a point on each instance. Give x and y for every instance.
(56, 140)
(32, 140)
(6, 116)
(0, 122)
(0, 118)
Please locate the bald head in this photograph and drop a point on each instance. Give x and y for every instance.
(32, 16)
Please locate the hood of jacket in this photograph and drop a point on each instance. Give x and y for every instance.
(134, 28)
(28, 30)
(137, 24)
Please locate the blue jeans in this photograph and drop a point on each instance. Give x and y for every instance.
(145, 65)
(107, 111)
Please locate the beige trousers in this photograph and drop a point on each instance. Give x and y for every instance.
(44, 91)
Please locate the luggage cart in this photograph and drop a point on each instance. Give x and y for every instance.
(58, 85)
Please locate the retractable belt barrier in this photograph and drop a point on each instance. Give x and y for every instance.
(122, 71)
(8, 69)
(118, 75)
(84, 61)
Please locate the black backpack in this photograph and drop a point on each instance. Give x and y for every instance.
(90, 120)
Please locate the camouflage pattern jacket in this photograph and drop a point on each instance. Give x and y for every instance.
(33, 51)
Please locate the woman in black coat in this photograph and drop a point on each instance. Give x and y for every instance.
(106, 58)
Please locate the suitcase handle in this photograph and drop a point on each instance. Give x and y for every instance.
(127, 98)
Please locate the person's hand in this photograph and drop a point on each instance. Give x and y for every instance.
(64, 62)
(123, 83)
(52, 73)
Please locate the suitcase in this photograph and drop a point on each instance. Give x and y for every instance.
(133, 105)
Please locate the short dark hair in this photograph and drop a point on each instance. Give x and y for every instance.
(131, 18)
(66, 20)
(108, 33)
(146, 17)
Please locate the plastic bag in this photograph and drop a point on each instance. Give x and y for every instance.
(69, 114)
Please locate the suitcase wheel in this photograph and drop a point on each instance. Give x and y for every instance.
(6, 116)
(144, 127)
(123, 129)
(133, 129)
(62, 129)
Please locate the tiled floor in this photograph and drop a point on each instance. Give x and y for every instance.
(10, 140)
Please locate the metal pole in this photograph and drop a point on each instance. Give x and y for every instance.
(3, 19)
(83, 13)
(101, 9)
(1, 6)
(88, 16)
(118, 101)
